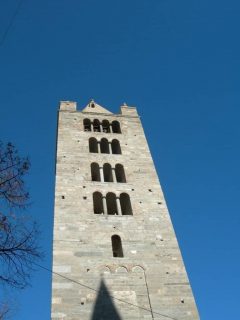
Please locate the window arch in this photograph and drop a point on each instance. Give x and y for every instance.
(93, 145)
(107, 173)
(95, 172)
(106, 126)
(97, 203)
(96, 125)
(138, 269)
(117, 246)
(120, 174)
(104, 146)
(87, 125)
(121, 269)
(111, 203)
(125, 203)
(116, 127)
(116, 149)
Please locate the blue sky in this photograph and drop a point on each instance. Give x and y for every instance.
(179, 63)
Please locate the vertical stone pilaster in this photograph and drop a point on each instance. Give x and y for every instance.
(104, 205)
(101, 174)
(99, 147)
(119, 209)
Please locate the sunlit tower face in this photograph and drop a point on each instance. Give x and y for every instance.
(114, 251)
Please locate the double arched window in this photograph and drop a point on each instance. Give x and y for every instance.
(111, 204)
(107, 173)
(104, 146)
(104, 126)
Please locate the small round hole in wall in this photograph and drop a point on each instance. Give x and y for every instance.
(63, 197)
(132, 189)
(82, 303)
(84, 198)
(182, 300)
(84, 187)
(150, 190)
(159, 202)
(88, 270)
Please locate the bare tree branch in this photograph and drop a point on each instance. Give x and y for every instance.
(18, 237)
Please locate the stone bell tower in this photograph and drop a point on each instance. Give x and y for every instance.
(115, 253)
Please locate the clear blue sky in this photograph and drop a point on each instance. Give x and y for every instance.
(179, 63)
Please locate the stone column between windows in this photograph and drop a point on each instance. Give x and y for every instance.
(101, 174)
(99, 147)
(104, 205)
(110, 128)
(110, 147)
(91, 127)
(119, 209)
(100, 127)
(114, 175)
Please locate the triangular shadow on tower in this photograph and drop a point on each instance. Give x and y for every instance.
(104, 308)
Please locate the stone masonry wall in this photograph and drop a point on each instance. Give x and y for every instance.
(151, 274)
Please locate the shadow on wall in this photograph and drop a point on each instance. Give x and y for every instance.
(104, 308)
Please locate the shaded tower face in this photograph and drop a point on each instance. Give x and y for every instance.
(112, 232)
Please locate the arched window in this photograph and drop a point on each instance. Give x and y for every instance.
(120, 174)
(97, 203)
(96, 125)
(116, 127)
(111, 203)
(116, 147)
(105, 126)
(93, 145)
(104, 146)
(125, 204)
(117, 246)
(87, 125)
(95, 172)
(107, 172)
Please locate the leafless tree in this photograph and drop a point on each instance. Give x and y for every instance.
(18, 234)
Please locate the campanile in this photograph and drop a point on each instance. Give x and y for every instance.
(115, 253)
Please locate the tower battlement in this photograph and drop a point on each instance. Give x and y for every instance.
(93, 107)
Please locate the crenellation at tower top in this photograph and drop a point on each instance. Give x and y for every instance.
(68, 106)
(93, 107)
